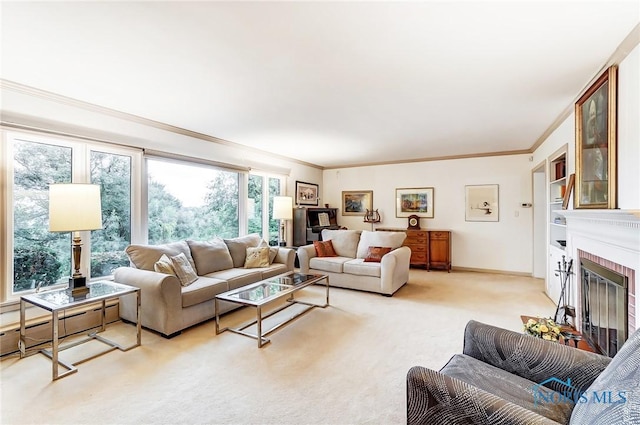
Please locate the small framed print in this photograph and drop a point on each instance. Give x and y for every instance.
(481, 202)
(357, 202)
(306, 193)
(414, 201)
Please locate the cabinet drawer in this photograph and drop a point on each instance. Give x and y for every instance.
(439, 235)
(419, 257)
(416, 234)
(412, 241)
(418, 248)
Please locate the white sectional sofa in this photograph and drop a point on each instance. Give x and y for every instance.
(168, 306)
(348, 269)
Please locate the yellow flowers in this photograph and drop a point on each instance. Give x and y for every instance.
(546, 329)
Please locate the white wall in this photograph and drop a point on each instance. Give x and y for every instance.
(629, 131)
(505, 245)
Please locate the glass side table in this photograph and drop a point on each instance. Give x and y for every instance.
(61, 300)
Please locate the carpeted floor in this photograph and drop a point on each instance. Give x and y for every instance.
(345, 364)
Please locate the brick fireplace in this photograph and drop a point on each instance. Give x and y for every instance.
(611, 240)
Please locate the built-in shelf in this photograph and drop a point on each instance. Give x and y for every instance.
(557, 227)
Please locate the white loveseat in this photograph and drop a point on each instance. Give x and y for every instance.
(348, 269)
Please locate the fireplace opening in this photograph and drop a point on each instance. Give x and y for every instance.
(604, 307)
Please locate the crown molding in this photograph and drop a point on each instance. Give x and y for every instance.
(86, 106)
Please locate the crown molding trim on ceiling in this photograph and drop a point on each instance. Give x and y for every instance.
(626, 46)
(65, 100)
(435, 158)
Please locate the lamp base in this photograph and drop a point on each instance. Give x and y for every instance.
(283, 243)
(78, 286)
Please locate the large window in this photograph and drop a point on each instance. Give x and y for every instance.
(113, 173)
(191, 201)
(39, 258)
(262, 189)
(186, 200)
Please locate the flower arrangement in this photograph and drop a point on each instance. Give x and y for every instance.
(542, 328)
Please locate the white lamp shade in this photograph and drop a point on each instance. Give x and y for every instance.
(283, 207)
(74, 207)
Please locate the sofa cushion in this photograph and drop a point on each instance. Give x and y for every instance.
(145, 256)
(391, 239)
(184, 271)
(238, 247)
(238, 277)
(256, 257)
(360, 267)
(508, 386)
(164, 265)
(328, 264)
(375, 253)
(273, 270)
(621, 380)
(203, 289)
(324, 249)
(210, 256)
(345, 242)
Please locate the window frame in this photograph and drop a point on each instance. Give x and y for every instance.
(80, 173)
(266, 211)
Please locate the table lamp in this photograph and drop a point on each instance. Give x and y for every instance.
(75, 207)
(283, 210)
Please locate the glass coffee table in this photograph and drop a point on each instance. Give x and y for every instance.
(265, 292)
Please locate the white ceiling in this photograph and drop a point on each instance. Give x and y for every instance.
(329, 83)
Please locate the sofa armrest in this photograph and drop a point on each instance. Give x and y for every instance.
(161, 299)
(533, 358)
(394, 269)
(434, 398)
(305, 254)
(286, 256)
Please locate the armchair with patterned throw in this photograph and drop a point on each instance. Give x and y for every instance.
(504, 377)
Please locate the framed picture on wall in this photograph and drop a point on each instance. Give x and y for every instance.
(306, 193)
(481, 202)
(596, 174)
(357, 202)
(414, 201)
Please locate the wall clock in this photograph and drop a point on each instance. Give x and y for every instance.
(414, 222)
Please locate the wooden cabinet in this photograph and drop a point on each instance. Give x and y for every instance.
(418, 241)
(430, 249)
(439, 250)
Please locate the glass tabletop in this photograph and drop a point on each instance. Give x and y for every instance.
(62, 298)
(260, 292)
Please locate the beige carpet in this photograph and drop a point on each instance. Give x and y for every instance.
(345, 364)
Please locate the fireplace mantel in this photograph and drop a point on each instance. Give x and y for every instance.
(611, 235)
(619, 228)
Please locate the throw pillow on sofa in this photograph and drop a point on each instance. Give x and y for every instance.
(273, 250)
(184, 271)
(164, 265)
(375, 253)
(210, 256)
(345, 242)
(145, 256)
(391, 239)
(324, 248)
(238, 247)
(257, 257)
